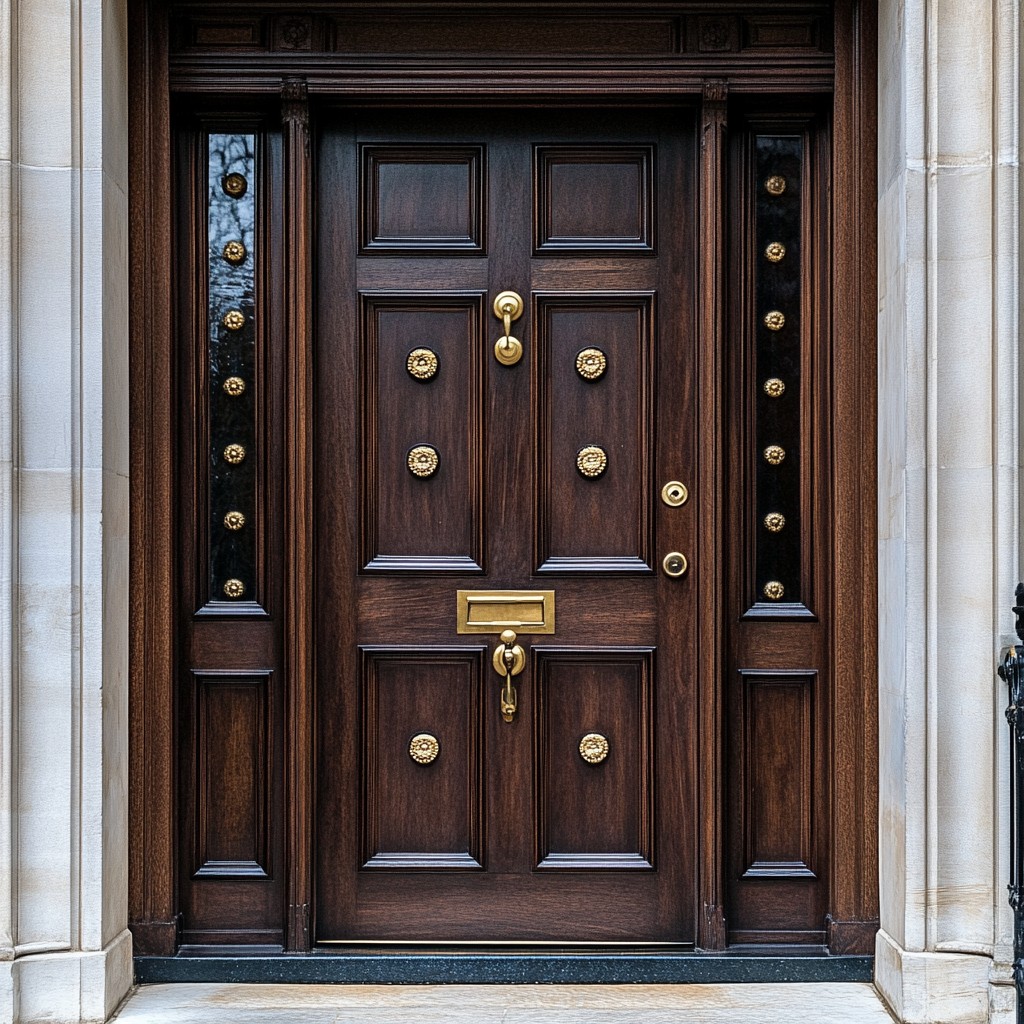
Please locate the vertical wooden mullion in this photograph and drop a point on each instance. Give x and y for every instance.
(711, 929)
(153, 562)
(298, 619)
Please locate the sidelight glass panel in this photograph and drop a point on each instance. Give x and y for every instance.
(231, 384)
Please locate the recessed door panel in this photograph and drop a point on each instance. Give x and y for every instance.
(594, 759)
(422, 759)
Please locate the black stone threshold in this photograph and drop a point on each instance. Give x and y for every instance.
(503, 968)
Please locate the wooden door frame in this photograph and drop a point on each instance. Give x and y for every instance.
(853, 902)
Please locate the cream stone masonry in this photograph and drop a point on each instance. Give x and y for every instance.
(948, 486)
(65, 952)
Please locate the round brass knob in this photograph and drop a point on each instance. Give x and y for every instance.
(234, 253)
(424, 748)
(234, 320)
(675, 564)
(423, 460)
(422, 363)
(234, 520)
(774, 388)
(774, 454)
(591, 461)
(234, 386)
(508, 350)
(234, 453)
(774, 590)
(775, 185)
(774, 320)
(774, 522)
(235, 185)
(674, 494)
(591, 363)
(234, 588)
(775, 252)
(593, 748)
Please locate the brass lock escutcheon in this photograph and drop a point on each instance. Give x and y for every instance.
(508, 306)
(674, 494)
(509, 659)
(675, 564)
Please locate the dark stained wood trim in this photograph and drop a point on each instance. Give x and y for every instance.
(298, 633)
(853, 907)
(152, 911)
(711, 928)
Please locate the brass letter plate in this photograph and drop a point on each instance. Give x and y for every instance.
(494, 611)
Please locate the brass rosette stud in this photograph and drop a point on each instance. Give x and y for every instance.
(774, 590)
(234, 320)
(234, 589)
(593, 748)
(774, 388)
(424, 748)
(234, 386)
(591, 461)
(235, 185)
(423, 460)
(234, 253)
(234, 453)
(774, 454)
(234, 520)
(775, 185)
(774, 320)
(775, 252)
(422, 364)
(591, 363)
(774, 522)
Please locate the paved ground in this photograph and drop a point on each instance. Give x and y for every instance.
(504, 1004)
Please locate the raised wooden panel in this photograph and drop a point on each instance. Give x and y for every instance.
(422, 200)
(779, 32)
(594, 200)
(594, 524)
(416, 815)
(232, 759)
(411, 523)
(778, 776)
(594, 816)
(504, 33)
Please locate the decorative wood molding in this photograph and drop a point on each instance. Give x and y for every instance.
(298, 632)
(710, 481)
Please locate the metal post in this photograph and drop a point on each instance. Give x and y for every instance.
(1012, 671)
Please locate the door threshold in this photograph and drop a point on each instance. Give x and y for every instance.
(608, 966)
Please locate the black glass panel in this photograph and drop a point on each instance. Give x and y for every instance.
(778, 162)
(232, 525)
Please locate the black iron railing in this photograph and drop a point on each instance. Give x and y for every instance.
(1012, 671)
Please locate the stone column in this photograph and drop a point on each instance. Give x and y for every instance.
(948, 480)
(65, 952)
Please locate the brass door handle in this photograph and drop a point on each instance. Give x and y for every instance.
(508, 306)
(509, 659)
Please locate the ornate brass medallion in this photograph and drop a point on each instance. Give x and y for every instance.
(774, 320)
(775, 185)
(234, 588)
(234, 320)
(774, 522)
(423, 460)
(591, 363)
(591, 461)
(593, 748)
(774, 454)
(422, 364)
(774, 388)
(234, 386)
(774, 590)
(234, 453)
(235, 185)
(234, 520)
(424, 748)
(234, 253)
(775, 252)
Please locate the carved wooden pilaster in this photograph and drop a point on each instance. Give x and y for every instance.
(298, 630)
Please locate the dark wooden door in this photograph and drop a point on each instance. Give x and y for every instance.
(540, 476)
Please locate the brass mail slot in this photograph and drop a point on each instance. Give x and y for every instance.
(494, 611)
